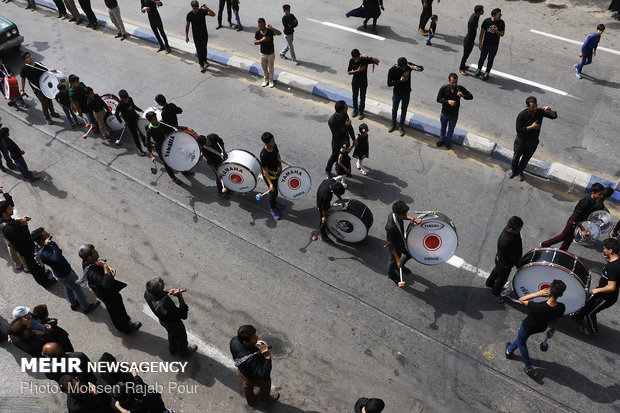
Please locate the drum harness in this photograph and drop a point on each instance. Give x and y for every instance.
(420, 215)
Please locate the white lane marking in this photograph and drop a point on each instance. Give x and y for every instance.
(459, 262)
(553, 36)
(204, 347)
(348, 29)
(529, 82)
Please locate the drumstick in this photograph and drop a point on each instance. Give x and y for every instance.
(90, 127)
(259, 196)
(118, 141)
(318, 231)
(170, 126)
(401, 283)
(154, 168)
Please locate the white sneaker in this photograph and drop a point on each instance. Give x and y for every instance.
(265, 83)
(357, 164)
(364, 172)
(271, 84)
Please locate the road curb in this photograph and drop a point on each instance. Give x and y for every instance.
(554, 171)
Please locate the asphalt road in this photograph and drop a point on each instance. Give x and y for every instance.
(340, 329)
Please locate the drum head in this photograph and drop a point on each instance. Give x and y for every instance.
(49, 81)
(538, 276)
(6, 88)
(180, 150)
(433, 241)
(350, 224)
(593, 233)
(294, 183)
(603, 220)
(240, 171)
(111, 100)
(113, 123)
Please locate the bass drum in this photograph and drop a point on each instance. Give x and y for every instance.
(540, 266)
(180, 150)
(351, 223)
(112, 101)
(143, 124)
(433, 241)
(594, 233)
(240, 171)
(11, 88)
(603, 220)
(49, 81)
(294, 183)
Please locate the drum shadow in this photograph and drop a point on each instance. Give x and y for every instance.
(377, 185)
(579, 383)
(202, 193)
(364, 252)
(607, 338)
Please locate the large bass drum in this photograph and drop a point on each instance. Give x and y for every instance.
(240, 171)
(351, 223)
(112, 101)
(433, 241)
(49, 81)
(180, 149)
(294, 183)
(540, 266)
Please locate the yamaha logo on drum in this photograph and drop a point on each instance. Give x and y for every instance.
(432, 225)
(169, 147)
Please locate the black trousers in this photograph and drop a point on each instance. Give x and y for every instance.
(158, 30)
(498, 278)
(136, 134)
(425, 15)
(116, 309)
(273, 195)
(62, 10)
(220, 11)
(468, 46)
(177, 336)
(88, 11)
(322, 226)
(37, 271)
(392, 267)
(333, 157)
(593, 306)
(523, 152)
(361, 91)
(201, 49)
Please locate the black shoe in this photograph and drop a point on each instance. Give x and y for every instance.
(361, 116)
(439, 143)
(203, 69)
(401, 131)
(95, 26)
(89, 25)
(511, 174)
(78, 22)
(118, 35)
(2, 168)
(486, 76)
(75, 306)
(72, 19)
(448, 145)
(123, 37)
(230, 24)
(55, 115)
(506, 353)
(135, 326)
(392, 128)
(168, 50)
(219, 26)
(531, 372)
(91, 307)
(239, 28)
(161, 49)
(355, 113)
(521, 177)
(478, 73)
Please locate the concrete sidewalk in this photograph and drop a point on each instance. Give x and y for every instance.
(555, 171)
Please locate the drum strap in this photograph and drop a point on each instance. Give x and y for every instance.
(212, 150)
(3, 70)
(399, 229)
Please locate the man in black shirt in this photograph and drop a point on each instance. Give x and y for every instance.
(528, 126)
(583, 209)
(491, 30)
(127, 114)
(17, 233)
(509, 253)
(271, 167)
(90, 14)
(540, 314)
(470, 37)
(57, 352)
(83, 397)
(25, 338)
(213, 151)
(264, 38)
(606, 294)
(396, 238)
(450, 98)
(198, 20)
(100, 111)
(33, 72)
(150, 7)
(170, 316)
(169, 111)
(341, 129)
(289, 21)
(253, 361)
(324, 195)
(101, 279)
(399, 77)
(155, 135)
(358, 67)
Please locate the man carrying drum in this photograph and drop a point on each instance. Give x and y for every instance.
(397, 238)
(324, 196)
(606, 294)
(271, 165)
(211, 147)
(509, 253)
(33, 72)
(155, 135)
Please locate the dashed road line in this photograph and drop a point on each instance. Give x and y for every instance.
(347, 29)
(564, 39)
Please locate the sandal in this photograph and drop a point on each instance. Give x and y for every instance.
(587, 332)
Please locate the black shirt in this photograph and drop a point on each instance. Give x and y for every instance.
(433, 27)
(324, 195)
(64, 99)
(584, 208)
(266, 47)
(395, 235)
(540, 315)
(33, 344)
(359, 78)
(525, 119)
(155, 136)
(33, 74)
(165, 309)
(11, 146)
(509, 248)
(169, 114)
(289, 22)
(102, 284)
(270, 160)
(78, 96)
(359, 404)
(89, 403)
(611, 272)
(111, 4)
(96, 104)
(445, 94)
(19, 236)
(198, 22)
(472, 28)
(340, 130)
(128, 111)
(394, 75)
(217, 144)
(153, 13)
(253, 368)
(491, 38)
